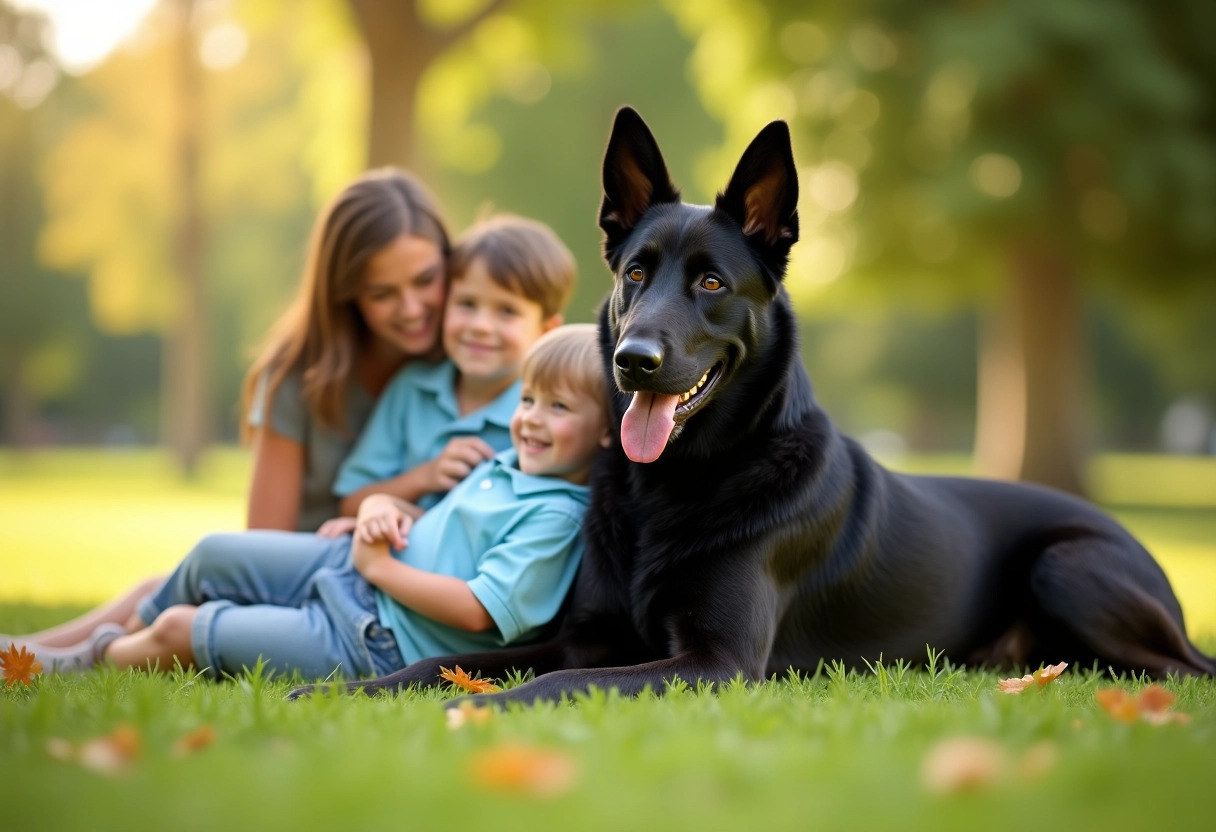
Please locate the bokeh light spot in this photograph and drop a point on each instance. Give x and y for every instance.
(804, 42)
(223, 46)
(872, 48)
(833, 186)
(996, 175)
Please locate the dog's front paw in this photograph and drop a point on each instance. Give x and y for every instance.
(302, 692)
(472, 700)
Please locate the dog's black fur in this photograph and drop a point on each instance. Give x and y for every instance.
(761, 539)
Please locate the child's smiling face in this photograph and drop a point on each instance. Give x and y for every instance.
(558, 432)
(487, 328)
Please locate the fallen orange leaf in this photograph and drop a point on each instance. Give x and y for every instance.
(962, 763)
(463, 680)
(1152, 705)
(112, 754)
(19, 665)
(523, 769)
(1155, 699)
(1041, 677)
(196, 740)
(466, 713)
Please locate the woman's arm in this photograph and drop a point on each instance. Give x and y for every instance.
(276, 491)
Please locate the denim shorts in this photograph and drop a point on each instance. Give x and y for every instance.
(294, 600)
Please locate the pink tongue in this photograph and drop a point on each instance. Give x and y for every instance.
(647, 424)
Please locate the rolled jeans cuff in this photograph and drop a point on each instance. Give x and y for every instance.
(200, 637)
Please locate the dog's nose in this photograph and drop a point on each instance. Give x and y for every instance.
(638, 356)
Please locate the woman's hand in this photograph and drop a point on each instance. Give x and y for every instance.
(337, 527)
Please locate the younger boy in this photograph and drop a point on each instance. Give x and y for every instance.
(511, 279)
(487, 566)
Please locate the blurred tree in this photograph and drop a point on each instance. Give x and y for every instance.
(184, 183)
(999, 153)
(403, 39)
(36, 358)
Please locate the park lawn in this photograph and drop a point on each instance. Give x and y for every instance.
(835, 750)
(832, 751)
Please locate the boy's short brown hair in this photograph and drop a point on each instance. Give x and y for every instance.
(521, 255)
(568, 356)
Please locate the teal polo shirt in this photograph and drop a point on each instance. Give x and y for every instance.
(515, 538)
(414, 419)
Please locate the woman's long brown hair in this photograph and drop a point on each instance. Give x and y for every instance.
(322, 331)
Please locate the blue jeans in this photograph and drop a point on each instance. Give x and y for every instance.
(293, 599)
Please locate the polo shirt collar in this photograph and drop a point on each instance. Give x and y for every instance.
(440, 381)
(523, 484)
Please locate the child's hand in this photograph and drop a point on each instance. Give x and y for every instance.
(337, 527)
(458, 458)
(380, 519)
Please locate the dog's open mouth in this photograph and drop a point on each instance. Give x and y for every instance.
(691, 400)
(651, 417)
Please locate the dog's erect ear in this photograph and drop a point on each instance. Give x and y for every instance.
(635, 177)
(762, 196)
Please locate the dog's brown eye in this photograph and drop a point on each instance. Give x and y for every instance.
(635, 274)
(711, 283)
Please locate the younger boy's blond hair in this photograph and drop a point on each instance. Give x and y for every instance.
(521, 255)
(569, 357)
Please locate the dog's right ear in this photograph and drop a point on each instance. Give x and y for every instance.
(635, 177)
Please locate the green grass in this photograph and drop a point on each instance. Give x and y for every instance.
(836, 750)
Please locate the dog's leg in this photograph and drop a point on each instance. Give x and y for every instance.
(1113, 598)
(628, 681)
(734, 639)
(492, 664)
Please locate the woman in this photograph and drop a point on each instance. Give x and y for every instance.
(371, 299)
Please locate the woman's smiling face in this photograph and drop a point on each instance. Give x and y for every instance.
(401, 294)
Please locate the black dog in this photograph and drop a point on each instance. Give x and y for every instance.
(735, 531)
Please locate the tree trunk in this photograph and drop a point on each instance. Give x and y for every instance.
(20, 411)
(1032, 381)
(184, 411)
(399, 50)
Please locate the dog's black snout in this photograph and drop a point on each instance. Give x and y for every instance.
(638, 356)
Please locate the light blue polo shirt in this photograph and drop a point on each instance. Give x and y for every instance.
(414, 419)
(515, 538)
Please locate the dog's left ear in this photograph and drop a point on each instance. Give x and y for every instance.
(635, 177)
(762, 196)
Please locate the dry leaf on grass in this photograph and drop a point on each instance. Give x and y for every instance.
(111, 755)
(1041, 677)
(962, 764)
(463, 680)
(971, 763)
(522, 769)
(19, 665)
(466, 713)
(1151, 705)
(196, 740)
